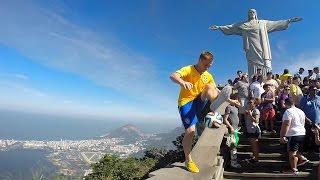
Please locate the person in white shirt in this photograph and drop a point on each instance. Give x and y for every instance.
(316, 73)
(293, 133)
(300, 74)
(256, 87)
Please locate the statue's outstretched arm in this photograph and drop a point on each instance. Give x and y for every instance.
(232, 29)
(214, 27)
(295, 19)
(280, 24)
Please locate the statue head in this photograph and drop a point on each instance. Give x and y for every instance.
(252, 14)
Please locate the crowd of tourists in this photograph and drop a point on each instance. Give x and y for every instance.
(292, 99)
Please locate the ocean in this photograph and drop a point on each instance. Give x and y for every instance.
(24, 164)
(26, 126)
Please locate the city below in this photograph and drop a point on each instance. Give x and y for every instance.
(74, 157)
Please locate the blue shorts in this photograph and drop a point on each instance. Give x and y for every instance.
(194, 111)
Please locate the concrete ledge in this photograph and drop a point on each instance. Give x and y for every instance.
(204, 154)
(177, 171)
(205, 151)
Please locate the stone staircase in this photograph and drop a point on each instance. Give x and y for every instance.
(273, 159)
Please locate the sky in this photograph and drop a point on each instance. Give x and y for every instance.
(111, 60)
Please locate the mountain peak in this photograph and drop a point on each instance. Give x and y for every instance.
(130, 127)
(127, 131)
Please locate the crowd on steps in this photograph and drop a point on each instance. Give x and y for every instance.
(292, 100)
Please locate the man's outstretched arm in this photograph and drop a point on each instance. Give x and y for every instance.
(176, 78)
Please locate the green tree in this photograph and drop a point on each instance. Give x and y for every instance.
(115, 168)
(112, 167)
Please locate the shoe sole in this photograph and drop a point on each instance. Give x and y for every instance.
(305, 162)
(220, 103)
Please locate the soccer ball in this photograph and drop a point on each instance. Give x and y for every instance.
(213, 120)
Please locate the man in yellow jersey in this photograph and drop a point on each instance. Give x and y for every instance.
(198, 90)
(284, 76)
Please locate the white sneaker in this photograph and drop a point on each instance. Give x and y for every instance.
(235, 164)
(220, 103)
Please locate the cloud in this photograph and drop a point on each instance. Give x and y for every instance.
(21, 76)
(281, 47)
(283, 58)
(21, 97)
(307, 60)
(107, 101)
(46, 36)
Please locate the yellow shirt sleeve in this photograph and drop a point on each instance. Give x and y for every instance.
(184, 71)
(293, 89)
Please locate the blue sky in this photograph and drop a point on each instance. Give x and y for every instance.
(112, 59)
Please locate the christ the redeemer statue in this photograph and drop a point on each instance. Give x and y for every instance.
(255, 39)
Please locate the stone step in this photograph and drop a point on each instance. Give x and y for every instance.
(263, 135)
(266, 163)
(264, 140)
(270, 148)
(270, 166)
(312, 156)
(262, 156)
(263, 175)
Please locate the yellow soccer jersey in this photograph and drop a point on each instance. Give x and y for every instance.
(199, 81)
(295, 90)
(284, 77)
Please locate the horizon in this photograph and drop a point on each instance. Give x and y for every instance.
(86, 61)
(27, 126)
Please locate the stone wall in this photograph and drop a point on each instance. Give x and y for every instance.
(205, 153)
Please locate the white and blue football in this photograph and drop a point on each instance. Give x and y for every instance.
(213, 120)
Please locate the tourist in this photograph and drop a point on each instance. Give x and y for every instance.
(282, 97)
(289, 80)
(274, 84)
(310, 74)
(310, 105)
(231, 120)
(253, 129)
(256, 87)
(239, 75)
(198, 93)
(242, 86)
(316, 74)
(259, 72)
(318, 86)
(268, 113)
(293, 133)
(295, 91)
(316, 131)
(300, 74)
(305, 82)
(197, 87)
(284, 76)
(277, 78)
